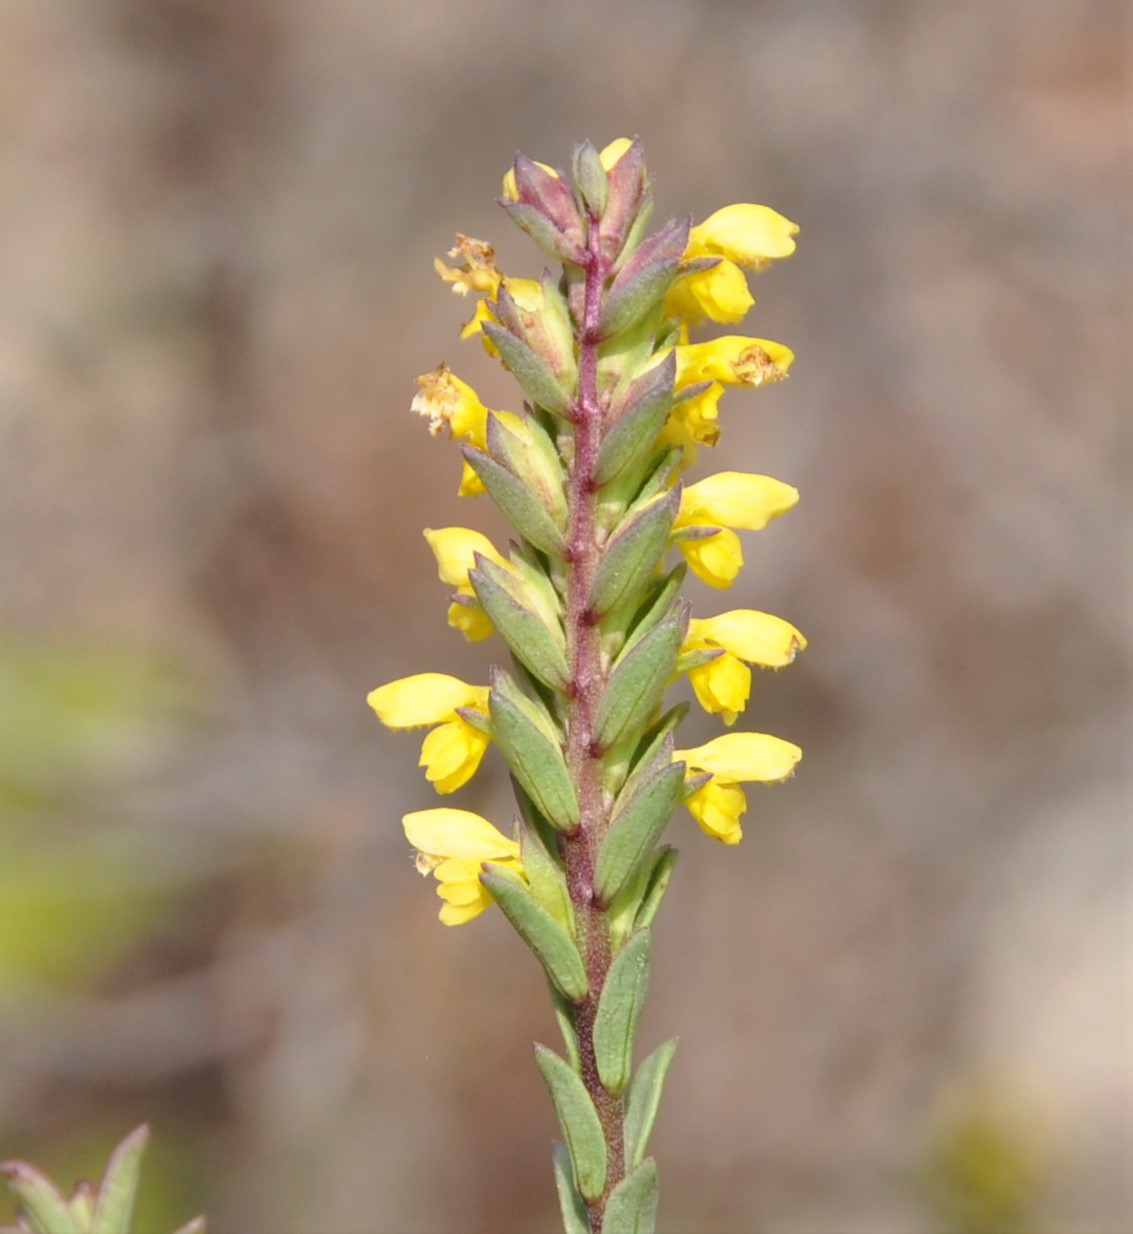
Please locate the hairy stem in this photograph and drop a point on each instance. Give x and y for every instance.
(588, 677)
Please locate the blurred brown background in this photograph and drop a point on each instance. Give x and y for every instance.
(904, 1002)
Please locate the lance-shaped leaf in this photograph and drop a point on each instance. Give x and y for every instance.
(530, 370)
(688, 660)
(626, 193)
(533, 459)
(114, 1208)
(534, 757)
(545, 874)
(590, 177)
(553, 946)
(637, 419)
(656, 884)
(619, 1010)
(646, 276)
(642, 1098)
(517, 502)
(632, 1205)
(579, 1121)
(549, 192)
(525, 632)
(46, 1208)
(576, 1220)
(632, 553)
(639, 679)
(644, 809)
(545, 234)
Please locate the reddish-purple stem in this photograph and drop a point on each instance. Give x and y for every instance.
(582, 752)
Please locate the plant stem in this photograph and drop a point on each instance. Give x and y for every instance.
(588, 676)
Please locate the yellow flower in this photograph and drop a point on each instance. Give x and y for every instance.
(453, 846)
(733, 359)
(451, 753)
(731, 760)
(719, 503)
(744, 235)
(723, 685)
(475, 269)
(455, 549)
(719, 293)
(693, 423)
(750, 235)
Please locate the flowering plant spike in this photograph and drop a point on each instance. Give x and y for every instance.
(587, 601)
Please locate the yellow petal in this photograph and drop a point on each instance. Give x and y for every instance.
(720, 294)
(451, 753)
(758, 638)
(446, 832)
(717, 807)
(722, 686)
(425, 698)
(470, 620)
(470, 483)
(715, 560)
(609, 155)
(455, 549)
(475, 268)
(735, 499)
(510, 189)
(744, 756)
(734, 359)
(749, 234)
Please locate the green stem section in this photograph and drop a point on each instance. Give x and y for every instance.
(588, 678)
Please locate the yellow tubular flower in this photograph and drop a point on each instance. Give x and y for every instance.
(721, 502)
(731, 760)
(733, 359)
(693, 423)
(745, 233)
(723, 685)
(453, 750)
(453, 846)
(455, 549)
(719, 293)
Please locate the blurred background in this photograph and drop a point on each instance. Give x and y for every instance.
(904, 1002)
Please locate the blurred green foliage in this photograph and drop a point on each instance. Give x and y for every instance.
(74, 723)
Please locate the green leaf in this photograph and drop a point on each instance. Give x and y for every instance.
(645, 278)
(531, 371)
(114, 1208)
(656, 885)
(565, 1022)
(552, 945)
(632, 553)
(590, 176)
(619, 1010)
(657, 605)
(545, 234)
(643, 811)
(517, 502)
(632, 1205)
(639, 679)
(576, 1220)
(579, 1121)
(642, 1098)
(545, 874)
(689, 660)
(46, 1208)
(526, 633)
(533, 460)
(536, 760)
(637, 420)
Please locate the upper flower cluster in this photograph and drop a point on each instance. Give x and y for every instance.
(589, 473)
